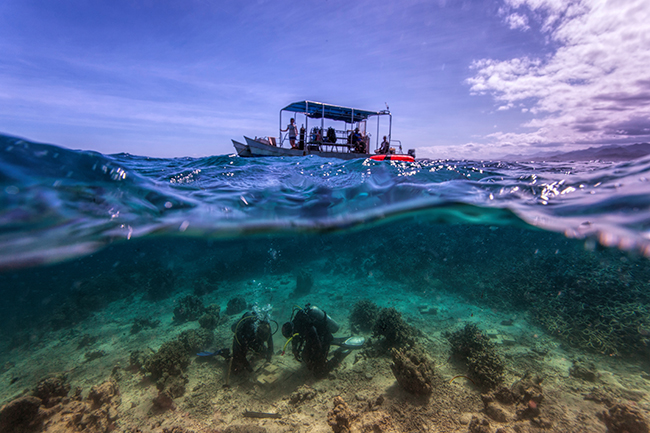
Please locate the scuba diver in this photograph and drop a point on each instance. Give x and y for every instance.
(310, 333)
(251, 333)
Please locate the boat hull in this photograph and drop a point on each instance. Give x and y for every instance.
(242, 149)
(255, 148)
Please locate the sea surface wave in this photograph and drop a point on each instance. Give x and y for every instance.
(57, 203)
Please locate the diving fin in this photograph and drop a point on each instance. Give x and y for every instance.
(349, 342)
(221, 352)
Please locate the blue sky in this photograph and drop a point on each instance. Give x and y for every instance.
(463, 79)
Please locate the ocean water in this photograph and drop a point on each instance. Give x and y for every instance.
(549, 260)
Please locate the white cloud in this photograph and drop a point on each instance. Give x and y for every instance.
(594, 88)
(517, 21)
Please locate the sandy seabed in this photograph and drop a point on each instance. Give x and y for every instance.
(112, 396)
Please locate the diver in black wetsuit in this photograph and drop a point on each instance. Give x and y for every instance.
(310, 333)
(251, 333)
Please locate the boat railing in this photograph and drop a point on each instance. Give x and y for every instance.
(335, 147)
(343, 142)
(397, 141)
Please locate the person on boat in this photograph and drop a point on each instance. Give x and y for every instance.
(331, 135)
(293, 132)
(310, 332)
(301, 143)
(384, 149)
(353, 139)
(252, 333)
(358, 144)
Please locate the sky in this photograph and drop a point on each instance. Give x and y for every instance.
(463, 78)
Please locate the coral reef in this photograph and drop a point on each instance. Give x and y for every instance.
(520, 402)
(236, 305)
(597, 303)
(480, 425)
(21, 415)
(51, 390)
(302, 394)
(96, 414)
(168, 365)
(172, 359)
(342, 419)
(196, 340)
(595, 300)
(363, 316)
(163, 401)
(413, 371)
(474, 348)
(188, 309)
(394, 330)
(210, 318)
(584, 370)
(138, 359)
(623, 418)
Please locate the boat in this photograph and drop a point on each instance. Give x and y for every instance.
(336, 132)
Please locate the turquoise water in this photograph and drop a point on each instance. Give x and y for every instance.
(92, 243)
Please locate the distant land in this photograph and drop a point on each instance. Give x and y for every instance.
(612, 152)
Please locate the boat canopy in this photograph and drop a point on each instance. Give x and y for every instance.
(317, 110)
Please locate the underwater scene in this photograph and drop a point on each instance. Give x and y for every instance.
(227, 294)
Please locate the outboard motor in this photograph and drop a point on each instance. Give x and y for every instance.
(411, 152)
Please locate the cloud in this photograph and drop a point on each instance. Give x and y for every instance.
(517, 21)
(590, 89)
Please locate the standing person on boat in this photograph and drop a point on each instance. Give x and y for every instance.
(384, 148)
(310, 333)
(293, 132)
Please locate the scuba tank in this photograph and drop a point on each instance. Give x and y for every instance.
(316, 314)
